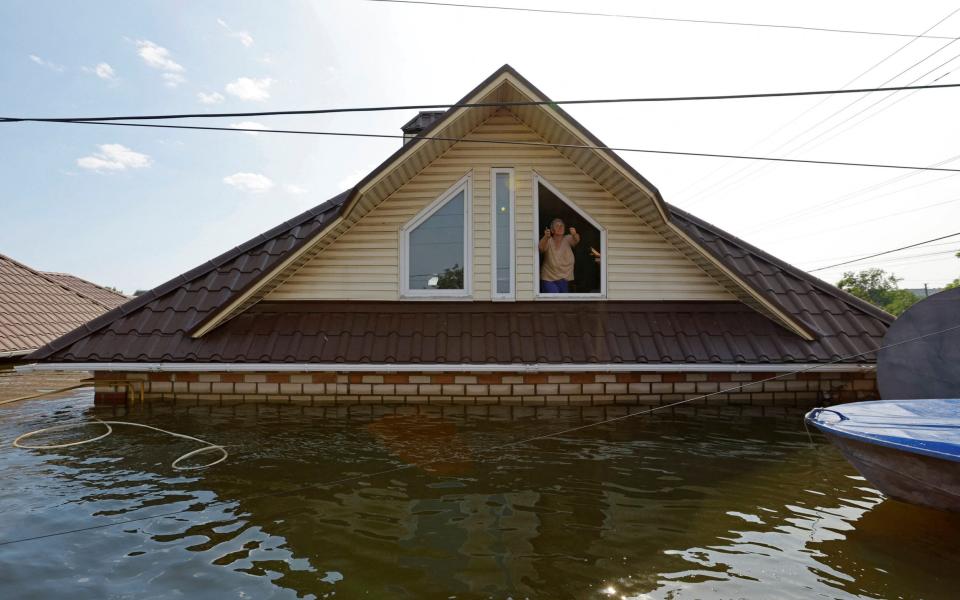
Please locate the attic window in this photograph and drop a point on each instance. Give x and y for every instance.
(587, 277)
(436, 257)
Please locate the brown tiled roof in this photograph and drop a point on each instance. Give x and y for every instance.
(464, 332)
(567, 135)
(37, 307)
(157, 325)
(185, 300)
(822, 307)
(105, 296)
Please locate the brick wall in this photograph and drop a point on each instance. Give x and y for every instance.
(529, 389)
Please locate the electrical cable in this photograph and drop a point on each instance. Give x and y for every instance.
(503, 104)
(841, 200)
(877, 103)
(489, 449)
(895, 264)
(899, 261)
(820, 232)
(47, 393)
(836, 113)
(821, 101)
(514, 143)
(883, 253)
(651, 18)
(926, 247)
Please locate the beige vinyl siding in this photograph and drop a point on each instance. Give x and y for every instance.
(363, 263)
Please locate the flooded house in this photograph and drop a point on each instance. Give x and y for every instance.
(502, 255)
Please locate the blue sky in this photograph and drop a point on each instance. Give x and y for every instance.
(133, 207)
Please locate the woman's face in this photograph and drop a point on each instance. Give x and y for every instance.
(556, 228)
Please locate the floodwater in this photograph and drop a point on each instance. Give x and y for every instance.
(434, 505)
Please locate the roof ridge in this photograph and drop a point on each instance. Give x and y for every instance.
(45, 276)
(813, 280)
(84, 294)
(176, 282)
(779, 313)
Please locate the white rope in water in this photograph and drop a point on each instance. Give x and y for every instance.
(208, 446)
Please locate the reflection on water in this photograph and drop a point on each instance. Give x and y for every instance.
(664, 506)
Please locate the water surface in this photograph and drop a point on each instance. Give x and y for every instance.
(660, 506)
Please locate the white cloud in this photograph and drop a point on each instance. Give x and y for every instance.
(102, 70)
(296, 190)
(173, 79)
(114, 157)
(158, 57)
(254, 183)
(246, 88)
(47, 63)
(245, 38)
(353, 177)
(214, 98)
(248, 125)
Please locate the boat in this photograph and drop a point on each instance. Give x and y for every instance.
(907, 449)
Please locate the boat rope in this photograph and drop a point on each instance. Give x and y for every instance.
(817, 411)
(47, 393)
(459, 455)
(207, 446)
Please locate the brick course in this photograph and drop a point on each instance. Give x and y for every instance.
(534, 389)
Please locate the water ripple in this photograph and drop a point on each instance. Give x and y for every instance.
(673, 506)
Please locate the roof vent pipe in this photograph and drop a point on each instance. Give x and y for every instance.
(419, 123)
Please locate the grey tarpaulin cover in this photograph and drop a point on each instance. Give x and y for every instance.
(927, 368)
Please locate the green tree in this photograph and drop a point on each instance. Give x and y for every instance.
(878, 288)
(451, 279)
(955, 283)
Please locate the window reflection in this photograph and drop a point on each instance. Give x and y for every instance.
(437, 248)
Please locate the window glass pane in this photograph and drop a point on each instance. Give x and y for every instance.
(436, 249)
(502, 223)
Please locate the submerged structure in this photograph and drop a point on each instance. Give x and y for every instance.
(424, 284)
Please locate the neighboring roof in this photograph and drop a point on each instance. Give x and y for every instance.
(463, 332)
(109, 298)
(38, 307)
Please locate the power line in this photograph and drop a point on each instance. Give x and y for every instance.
(926, 247)
(883, 253)
(758, 169)
(664, 19)
(458, 455)
(902, 264)
(862, 222)
(827, 98)
(900, 261)
(504, 104)
(832, 128)
(877, 103)
(843, 199)
(515, 143)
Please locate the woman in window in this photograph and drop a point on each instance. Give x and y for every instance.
(556, 268)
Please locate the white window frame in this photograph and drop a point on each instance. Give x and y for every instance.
(512, 294)
(465, 185)
(538, 233)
